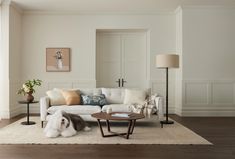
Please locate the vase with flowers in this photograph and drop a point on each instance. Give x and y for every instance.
(28, 88)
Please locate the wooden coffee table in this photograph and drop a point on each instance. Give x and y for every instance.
(132, 117)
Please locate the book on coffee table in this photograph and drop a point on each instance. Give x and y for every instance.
(122, 115)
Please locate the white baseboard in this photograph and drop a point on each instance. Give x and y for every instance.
(178, 111)
(4, 115)
(208, 98)
(211, 113)
(16, 111)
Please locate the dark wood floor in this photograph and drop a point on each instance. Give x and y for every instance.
(220, 131)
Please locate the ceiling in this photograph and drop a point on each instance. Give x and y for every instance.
(112, 5)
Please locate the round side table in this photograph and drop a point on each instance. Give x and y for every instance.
(26, 102)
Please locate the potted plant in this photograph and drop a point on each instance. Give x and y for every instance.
(28, 88)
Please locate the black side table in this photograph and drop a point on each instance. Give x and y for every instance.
(26, 102)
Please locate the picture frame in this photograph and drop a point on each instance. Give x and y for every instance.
(58, 59)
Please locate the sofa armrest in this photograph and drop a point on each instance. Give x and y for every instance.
(44, 105)
(159, 101)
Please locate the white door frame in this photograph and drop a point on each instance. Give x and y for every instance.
(148, 55)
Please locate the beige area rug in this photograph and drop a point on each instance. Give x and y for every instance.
(145, 132)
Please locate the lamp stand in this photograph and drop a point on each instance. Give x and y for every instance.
(166, 121)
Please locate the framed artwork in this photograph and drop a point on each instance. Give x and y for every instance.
(57, 59)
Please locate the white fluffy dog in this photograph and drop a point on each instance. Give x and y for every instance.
(64, 124)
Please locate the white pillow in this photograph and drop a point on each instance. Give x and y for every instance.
(134, 96)
(56, 97)
(114, 95)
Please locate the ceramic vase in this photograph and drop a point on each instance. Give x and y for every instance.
(29, 97)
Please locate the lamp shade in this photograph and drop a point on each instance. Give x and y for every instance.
(167, 61)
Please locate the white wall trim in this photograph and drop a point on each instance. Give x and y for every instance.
(216, 104)
(178, 9)
(6, 2)
(208, 113)
(147, 12)
(160, 12)
(73, 83)
(15, 111)
(186, 93)
(178, 111)
(4, 114)
(17, 8)
(184, 6)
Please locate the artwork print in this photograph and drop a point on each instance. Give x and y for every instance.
(57, 59)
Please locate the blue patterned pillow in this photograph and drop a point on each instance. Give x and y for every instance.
(94, 100)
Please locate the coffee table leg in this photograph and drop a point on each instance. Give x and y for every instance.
(133, 126)
(126, 135)
(129, 129)
(108, 125)
(101, 130)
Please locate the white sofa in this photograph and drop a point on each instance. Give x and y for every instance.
(114, 98)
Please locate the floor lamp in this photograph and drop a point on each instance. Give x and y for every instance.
(167, 61)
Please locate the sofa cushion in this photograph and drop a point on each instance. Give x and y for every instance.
(116, 108)
(72, 97)
(113, 95)
(56, 97)
(90, 91)
(93, 100)
(75, 109)
(133, 96)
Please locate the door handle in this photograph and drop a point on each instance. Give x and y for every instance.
(119, 82)
(123, 81)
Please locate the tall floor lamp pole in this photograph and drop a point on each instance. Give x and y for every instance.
(167, 61)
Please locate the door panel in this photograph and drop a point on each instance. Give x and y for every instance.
(134, 60)
(108, 60)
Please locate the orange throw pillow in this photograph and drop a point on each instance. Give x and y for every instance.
(72, 97)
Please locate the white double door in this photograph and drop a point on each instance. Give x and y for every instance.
(121, 59)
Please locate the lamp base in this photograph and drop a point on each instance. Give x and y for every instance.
(166, 122)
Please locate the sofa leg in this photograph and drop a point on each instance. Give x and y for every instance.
(42, 123)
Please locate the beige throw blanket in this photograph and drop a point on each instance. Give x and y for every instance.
(148, 107)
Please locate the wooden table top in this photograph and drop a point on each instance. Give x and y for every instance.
(26, 102)
(105, 116)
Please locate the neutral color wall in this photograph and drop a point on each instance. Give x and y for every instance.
(208, 37)
(203, 36)
(179, 73)
(4, 62)
(15, 31)
(10, 60)
(208, 61)
(78, 33)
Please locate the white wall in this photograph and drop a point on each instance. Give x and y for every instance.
(203, 37)
(179, 72)
(208, 61)
(10, 60)
(4, 62)
(15, 31)
(78, 32)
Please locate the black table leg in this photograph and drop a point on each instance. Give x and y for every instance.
(133, 126)
(129, 129)
(126, 135)
(108, 125)
(101, 130)
(28, 122)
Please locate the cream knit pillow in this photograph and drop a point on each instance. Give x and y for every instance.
(56, 97)
(134, 96)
